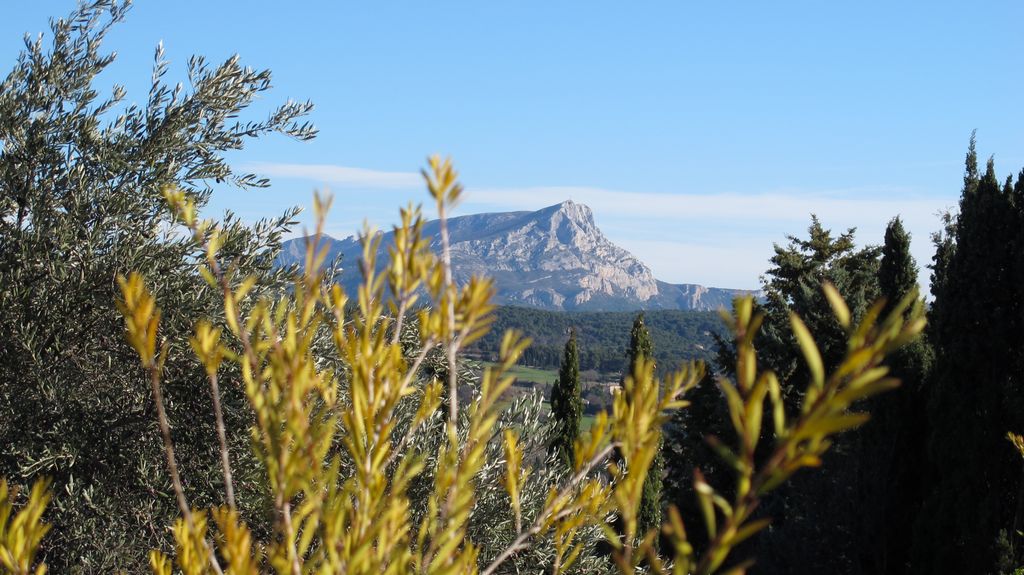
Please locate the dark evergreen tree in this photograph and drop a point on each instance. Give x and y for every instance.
(649, 514)
(640, 344)
(686, 449)
(566, 404)
(894, 441)
(816, 518)
(897, 272)
(975, 395)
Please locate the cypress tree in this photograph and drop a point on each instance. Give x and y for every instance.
(975, 396)
(649, 514)
(897, 272)
(639, 344)
(566, 405)
(894, 441)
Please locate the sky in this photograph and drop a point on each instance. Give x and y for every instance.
(700, 134)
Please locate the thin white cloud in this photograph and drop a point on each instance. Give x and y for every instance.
(833, 205)
(724, 265)
(339, 176)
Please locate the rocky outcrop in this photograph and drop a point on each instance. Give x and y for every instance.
(554, 258)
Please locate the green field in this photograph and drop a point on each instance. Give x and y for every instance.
(532, 374)
(537, 375)
(586, 422)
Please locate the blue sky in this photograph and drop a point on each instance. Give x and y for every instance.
(699, 133)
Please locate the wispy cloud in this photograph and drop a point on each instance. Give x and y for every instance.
(714, 265)
(338, 176)
(786, 206)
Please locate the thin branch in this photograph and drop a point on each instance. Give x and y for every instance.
(286, 513)
(165, 431)
(225, 459)
(453, 344)
(403, 304)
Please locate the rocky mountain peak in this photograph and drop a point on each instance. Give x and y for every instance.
(568, 221)
(579, 213)
(553, 258)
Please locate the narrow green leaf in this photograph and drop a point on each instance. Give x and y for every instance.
(748, 530)
(839, 308)
(832, 425)
(809, 349)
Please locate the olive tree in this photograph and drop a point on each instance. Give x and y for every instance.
(81, 174)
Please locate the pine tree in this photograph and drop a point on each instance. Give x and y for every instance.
(650, 504)
(793, 284)
(976, 393)
(566, 404)
(825, 508)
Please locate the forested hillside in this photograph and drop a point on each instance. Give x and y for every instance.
(603, 336)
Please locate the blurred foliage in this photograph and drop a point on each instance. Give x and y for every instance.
(22, 532)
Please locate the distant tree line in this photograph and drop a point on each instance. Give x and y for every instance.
(603, 336)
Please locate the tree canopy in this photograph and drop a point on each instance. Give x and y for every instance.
(81, 178)
(977, 392)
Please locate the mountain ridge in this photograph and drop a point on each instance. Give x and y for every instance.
(555, 258)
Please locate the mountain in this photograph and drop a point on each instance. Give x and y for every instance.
(555, 258)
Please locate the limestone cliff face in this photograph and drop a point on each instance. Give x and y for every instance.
(561, 257)
(554, 258)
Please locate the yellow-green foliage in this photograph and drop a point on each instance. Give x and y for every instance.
(307, 417)
(22, 532)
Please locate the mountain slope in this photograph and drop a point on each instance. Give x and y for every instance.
(555, 258)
